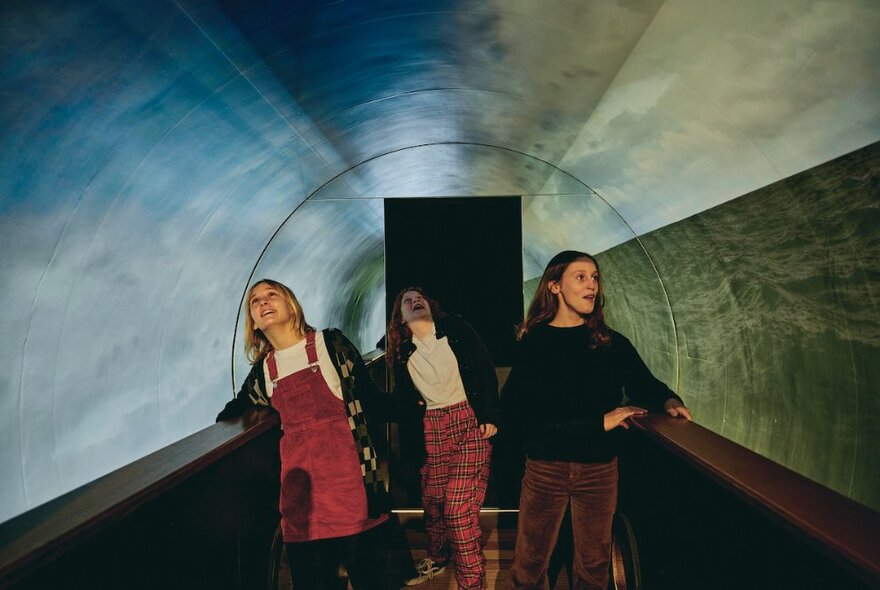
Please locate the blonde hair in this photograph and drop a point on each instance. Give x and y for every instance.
(256, 345)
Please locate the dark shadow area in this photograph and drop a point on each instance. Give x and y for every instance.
(200, 513)
(467, 254)
(709, 513)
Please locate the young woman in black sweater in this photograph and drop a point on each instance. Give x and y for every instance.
(564, 397)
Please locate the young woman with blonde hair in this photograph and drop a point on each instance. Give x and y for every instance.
(332, 496)
(564, 398)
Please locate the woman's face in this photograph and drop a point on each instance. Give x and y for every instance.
(414, 307)
(577, 289)
(268, 307)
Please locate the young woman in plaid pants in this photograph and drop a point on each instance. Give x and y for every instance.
(447, 390)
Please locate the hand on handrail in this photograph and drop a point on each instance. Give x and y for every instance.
(676, 409)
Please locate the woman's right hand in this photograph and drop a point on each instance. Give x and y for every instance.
(617, 416)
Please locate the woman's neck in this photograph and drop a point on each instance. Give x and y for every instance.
(567, 318)
(283, 337)
(421, 328)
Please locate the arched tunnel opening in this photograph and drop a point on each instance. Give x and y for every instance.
(721, 161)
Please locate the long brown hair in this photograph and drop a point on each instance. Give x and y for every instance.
(545, 304)
(398, 331)
(256, 345)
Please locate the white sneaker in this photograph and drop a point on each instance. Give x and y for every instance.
(426, 570)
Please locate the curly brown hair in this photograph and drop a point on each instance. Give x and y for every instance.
(398, 331)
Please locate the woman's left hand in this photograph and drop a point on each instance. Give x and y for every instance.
(676, 409)
(488, 430)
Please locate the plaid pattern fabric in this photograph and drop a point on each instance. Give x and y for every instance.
(256, 395)
(454, 480)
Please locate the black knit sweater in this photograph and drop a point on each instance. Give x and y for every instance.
(560, 389)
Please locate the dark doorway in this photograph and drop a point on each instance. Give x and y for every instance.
(467, 254)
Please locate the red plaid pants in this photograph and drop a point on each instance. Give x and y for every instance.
(454, 480)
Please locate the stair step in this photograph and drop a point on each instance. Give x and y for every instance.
(499, 534)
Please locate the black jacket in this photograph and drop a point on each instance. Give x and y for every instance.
(477, 375)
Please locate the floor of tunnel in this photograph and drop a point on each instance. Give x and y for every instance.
(499, 535)
(498, 542)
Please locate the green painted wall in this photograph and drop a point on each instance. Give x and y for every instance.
(772, 328)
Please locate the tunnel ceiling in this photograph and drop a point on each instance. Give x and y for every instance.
(152, 150)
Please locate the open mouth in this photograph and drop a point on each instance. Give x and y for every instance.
(267, 312)
(418, 307)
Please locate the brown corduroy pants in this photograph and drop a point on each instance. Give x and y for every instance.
(547, 488)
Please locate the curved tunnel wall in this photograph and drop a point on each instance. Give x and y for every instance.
(151, 152)
(773, 297)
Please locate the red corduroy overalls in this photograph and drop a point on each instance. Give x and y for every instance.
(322, 489)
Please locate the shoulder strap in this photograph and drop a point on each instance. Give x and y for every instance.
(273, 366)
(310, 349)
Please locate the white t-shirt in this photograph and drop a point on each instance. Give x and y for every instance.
(434, 371)
(292, 359)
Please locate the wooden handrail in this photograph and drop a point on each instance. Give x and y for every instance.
(37, 537)
(840, 527)
(373, 357)
(34, 538)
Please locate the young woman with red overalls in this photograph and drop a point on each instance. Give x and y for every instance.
(332, 497)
